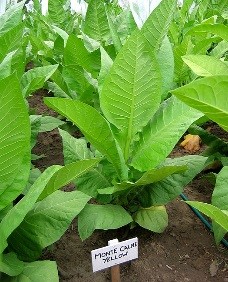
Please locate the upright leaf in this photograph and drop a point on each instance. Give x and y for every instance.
(162, 133)
(166, 63)
(11, 40)
(209, 96)
(96, 22)
(94, 127)
(76, 54)
(56, 11)
(156, 26)
(14, 141)
(11, 18)
(131, 92)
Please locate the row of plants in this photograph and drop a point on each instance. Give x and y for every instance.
(132, 93)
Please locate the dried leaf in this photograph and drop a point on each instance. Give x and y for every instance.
(191, 143)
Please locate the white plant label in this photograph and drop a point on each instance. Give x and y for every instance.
(115, 254)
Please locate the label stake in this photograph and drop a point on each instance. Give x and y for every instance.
(115, 270)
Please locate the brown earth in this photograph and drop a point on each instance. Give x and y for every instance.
(184, 252)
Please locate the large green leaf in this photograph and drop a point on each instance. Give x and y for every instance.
(11, 18)
(46, 223)
(14, 141)
(148, 177)
(74, 149)
(220, 50)
(131, 93)
(106, 63)
(11, 40)
(157, 25)
(218, 29)
(180, 68)
(66, 174)
(76, 54)
(220, 200)
(56, 11)
(153, 218)
(213, 212)
(101, 217)
(96, 22)
(162, 192)
(162, 133)
(35, 78)
(16, 215)
(208, 95)
(95, 128)
(10, 264)
(220, 193)
(204, 65)
(38, 271)
(159, 174)
(166, 63)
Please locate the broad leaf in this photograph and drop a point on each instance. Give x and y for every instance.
(131, 92)
(38, 271)
(209, 96)
(66, 174)
(219, 216)
(14, 141)
(153, 218)
(76, 54)
(56, 11)
(162, 192)
(166, 63)
(204, 65)
(96, 22)
(218, 29)
(11, 18)
(220, 200)
(16, 215)
(11, 40)
(148, 177)
(93, 126)
(10, 264)
(35, 78)
(101, 217)
(106, 63)
(159, 174)
(48, 123)
(74, 149)
(220, 193)
(162, 133)
(156, 26)
(46, 223)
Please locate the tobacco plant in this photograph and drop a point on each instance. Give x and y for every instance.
(133, 133)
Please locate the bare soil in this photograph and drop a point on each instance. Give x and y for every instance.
(184, 252)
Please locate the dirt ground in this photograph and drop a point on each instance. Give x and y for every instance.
(184, 252)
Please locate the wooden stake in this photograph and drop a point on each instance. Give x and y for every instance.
(115, 270)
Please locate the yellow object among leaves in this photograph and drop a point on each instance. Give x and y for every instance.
(191, 143)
